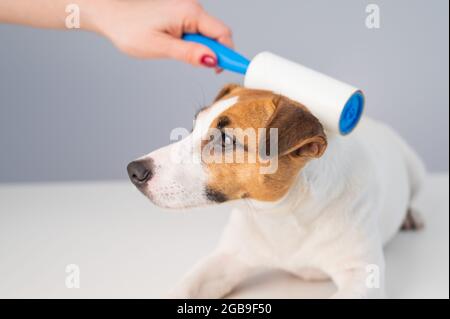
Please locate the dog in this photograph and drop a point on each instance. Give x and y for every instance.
(324, 213)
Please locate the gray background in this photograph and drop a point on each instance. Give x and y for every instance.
(73, 108)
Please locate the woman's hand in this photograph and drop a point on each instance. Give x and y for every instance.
(140, 28)
(153, 29)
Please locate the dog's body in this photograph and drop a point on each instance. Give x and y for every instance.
(331, 221)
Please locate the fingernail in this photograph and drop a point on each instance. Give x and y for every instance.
(208, 61)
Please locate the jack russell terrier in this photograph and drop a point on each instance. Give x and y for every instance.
(325, 211)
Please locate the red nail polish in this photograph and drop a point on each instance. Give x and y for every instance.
(209, 61)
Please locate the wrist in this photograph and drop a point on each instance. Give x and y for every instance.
(92, 12)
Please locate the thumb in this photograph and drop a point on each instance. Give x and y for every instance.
(192, 53)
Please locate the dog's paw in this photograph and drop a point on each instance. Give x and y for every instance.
(312, 274)
(179, 294)
(373, 293)
(413, 221)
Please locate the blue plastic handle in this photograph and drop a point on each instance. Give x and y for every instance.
(227, 59)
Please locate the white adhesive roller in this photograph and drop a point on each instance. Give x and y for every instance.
(337, 105)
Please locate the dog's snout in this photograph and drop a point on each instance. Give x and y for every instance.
(140, 171)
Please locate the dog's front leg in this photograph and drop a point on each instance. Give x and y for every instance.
(214, 277)
(360, 282)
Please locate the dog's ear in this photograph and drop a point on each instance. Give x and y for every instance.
(226, 90)
(300, 133)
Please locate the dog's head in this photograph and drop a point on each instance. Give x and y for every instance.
(247, 144)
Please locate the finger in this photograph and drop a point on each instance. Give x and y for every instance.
(227, 41)
(190, 52)
(214, 28)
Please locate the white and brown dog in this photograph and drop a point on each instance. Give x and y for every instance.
(325, 212)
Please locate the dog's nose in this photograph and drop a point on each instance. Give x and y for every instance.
(140, 171)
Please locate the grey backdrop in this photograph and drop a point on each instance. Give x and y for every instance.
(73, 108)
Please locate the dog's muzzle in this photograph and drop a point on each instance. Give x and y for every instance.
(141, 171)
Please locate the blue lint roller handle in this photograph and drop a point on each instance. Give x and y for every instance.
(227, 59)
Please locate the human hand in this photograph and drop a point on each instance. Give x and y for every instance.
(153, 29)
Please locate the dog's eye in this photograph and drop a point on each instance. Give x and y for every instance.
(228, 141)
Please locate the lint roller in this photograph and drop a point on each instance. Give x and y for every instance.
(337, 105)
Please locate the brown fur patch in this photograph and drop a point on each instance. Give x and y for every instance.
(300, 138)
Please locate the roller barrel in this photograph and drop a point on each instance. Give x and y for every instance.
(337, 105)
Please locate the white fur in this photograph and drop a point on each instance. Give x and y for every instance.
(179, 178)
(206, 117)
(333, 222)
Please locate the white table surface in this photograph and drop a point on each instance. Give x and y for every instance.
(127, 248)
